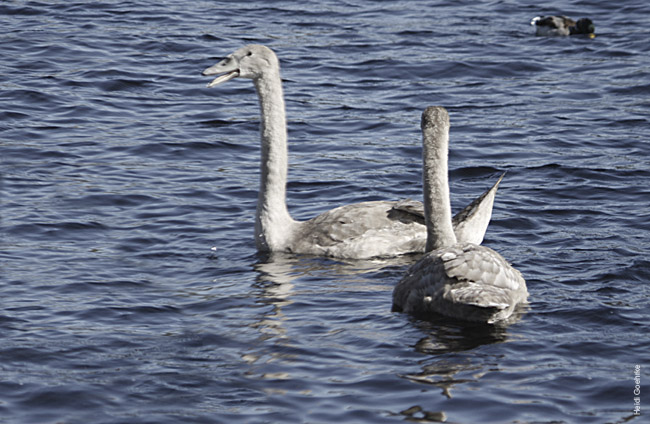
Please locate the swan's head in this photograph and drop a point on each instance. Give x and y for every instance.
(252, 61)
(435, 118)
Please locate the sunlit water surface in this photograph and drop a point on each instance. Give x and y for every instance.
(131, 289)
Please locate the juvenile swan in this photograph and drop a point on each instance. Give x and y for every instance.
(361, 230)
(457, 279)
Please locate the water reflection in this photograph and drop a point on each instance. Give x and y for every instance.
(448, 336)
(276, 273)
(276, 289)
(280, 268)
(445, 366)
(420, 415)
(283, 279)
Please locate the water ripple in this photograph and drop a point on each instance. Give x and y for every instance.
(131, 285)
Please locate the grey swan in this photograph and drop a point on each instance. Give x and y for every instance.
(355, 231)
(455, 278)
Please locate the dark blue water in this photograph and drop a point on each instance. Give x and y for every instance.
(121, 172)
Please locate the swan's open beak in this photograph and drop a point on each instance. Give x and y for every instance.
(227, 69)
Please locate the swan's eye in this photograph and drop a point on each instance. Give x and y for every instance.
(249, 54)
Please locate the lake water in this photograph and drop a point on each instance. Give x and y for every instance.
(131, 288)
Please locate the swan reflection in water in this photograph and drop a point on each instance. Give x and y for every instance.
(443, 368)
(284, 279)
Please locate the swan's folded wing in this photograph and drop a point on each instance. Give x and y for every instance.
(361, 230)
(475, 266)
(423, 283)
(408, 209)
(480, 295)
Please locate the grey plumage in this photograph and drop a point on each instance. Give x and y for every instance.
(470, 224)
(465, 281)
(360, 230)
(455, 278)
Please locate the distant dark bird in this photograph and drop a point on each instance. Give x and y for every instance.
(561, 25)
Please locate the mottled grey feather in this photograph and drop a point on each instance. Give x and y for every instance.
(465, 281)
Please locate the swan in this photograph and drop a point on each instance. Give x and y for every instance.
(455, 278)
(355, 231)
(561, 25)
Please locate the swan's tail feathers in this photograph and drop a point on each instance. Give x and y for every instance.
(471, 223)
(484, 201)
(482, 302)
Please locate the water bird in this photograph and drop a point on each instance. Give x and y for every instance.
(360, 230)
(454, 278)
(561, 25)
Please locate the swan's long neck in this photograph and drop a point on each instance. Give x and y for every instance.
(437, 206)
(273, 222)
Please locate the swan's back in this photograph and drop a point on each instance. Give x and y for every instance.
(384, 228)
(464, 281)
(359, 230)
